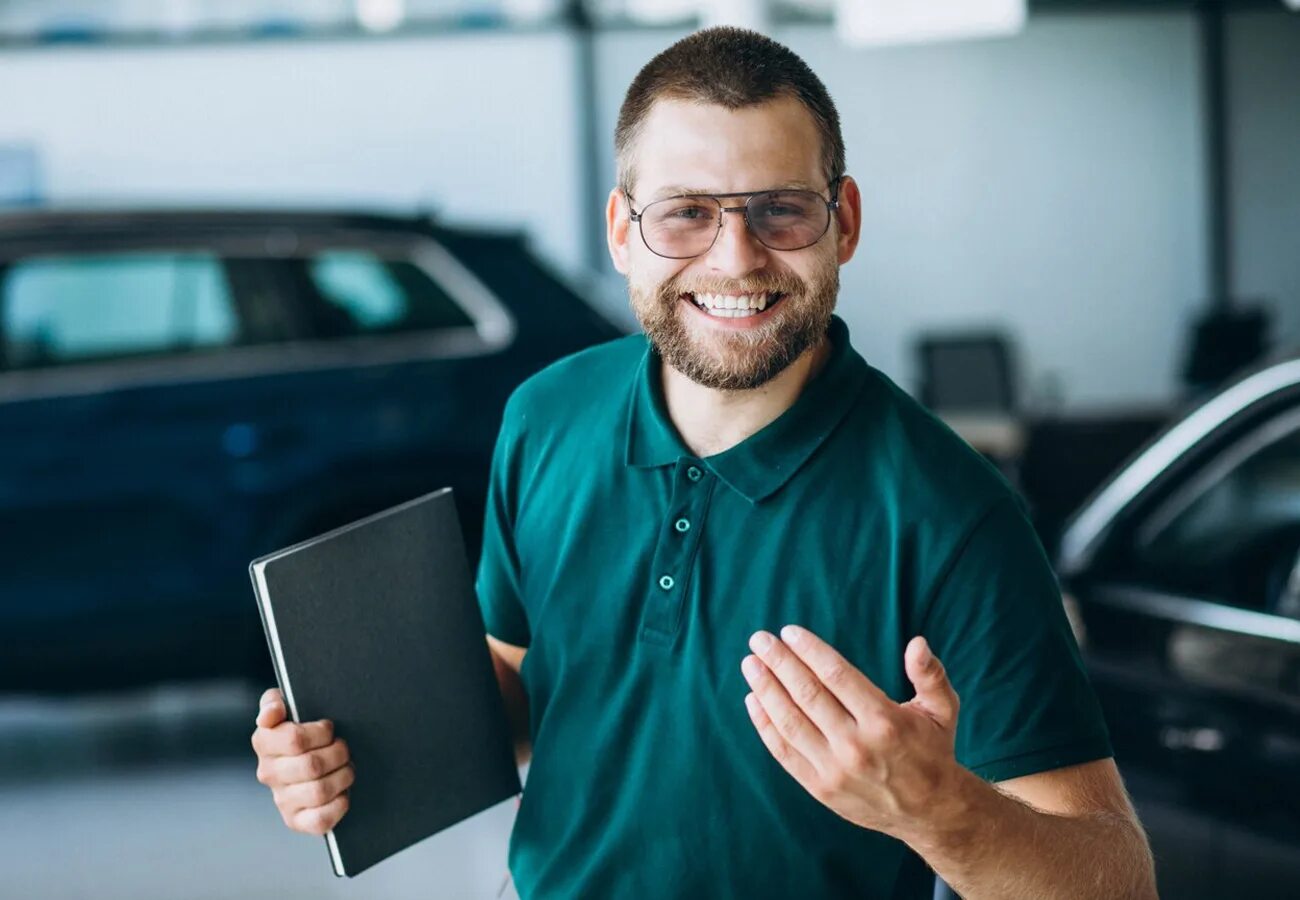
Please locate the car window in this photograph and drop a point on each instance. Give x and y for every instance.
(59, 310)
(368, 294)
(1233, 531)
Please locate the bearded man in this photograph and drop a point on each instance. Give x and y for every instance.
(735, 580)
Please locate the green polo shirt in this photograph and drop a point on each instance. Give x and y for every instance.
(635, 572)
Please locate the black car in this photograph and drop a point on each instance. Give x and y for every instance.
(183, 391)
(1185, 574)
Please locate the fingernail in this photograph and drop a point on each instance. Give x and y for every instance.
(792, 635)
(749, 666)
(926, 655)
(760, 641)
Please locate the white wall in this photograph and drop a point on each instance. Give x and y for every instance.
(1050, 183)
(481, 127)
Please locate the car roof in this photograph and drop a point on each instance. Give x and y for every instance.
(29, 229)
(1087, 527)
(43, 219)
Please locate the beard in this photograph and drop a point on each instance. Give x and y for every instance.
(737, 360)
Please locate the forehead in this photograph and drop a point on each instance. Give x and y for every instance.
(690, 147)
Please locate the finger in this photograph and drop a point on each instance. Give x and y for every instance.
(286, 770)
(319, 819)
(803, 686)
(788, 719)
(268, 695)
(934, 692)
(854, 690)
(293, 739)
(304, 795)
(270, 710)
(790, 759)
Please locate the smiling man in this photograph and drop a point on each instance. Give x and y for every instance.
(663, 506)
(769, 628)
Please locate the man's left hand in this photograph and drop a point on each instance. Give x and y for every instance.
(879, 764)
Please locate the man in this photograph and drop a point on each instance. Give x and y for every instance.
(662, 505)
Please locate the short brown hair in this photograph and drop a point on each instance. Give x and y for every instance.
(733, 68)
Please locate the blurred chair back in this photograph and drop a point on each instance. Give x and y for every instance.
(968, 373)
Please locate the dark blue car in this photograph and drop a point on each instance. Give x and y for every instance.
(1184, 569)
(181, 392)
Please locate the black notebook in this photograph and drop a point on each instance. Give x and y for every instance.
(375, 626)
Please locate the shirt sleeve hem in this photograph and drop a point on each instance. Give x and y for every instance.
(1042, 760)
(507, 635)
(502, 625)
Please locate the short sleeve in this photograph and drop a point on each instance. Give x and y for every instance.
(996, 620)
(498, 584)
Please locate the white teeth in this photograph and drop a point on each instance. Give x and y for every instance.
(723, 301)
(725, 307)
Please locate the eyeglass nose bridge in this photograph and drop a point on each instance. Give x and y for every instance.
(749, 228)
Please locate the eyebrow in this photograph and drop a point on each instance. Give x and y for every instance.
(676, 190)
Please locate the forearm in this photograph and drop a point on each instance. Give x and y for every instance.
(994, 847)
(516, 704)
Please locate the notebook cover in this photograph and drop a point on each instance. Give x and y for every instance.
(375, 625)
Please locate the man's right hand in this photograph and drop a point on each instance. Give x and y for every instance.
(307, 769)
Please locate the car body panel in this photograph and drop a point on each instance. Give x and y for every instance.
(134, 489)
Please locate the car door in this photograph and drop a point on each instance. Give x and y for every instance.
(405, 366)
(111, 469)
(1193, 642)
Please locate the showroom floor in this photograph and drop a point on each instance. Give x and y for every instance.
(153, 795)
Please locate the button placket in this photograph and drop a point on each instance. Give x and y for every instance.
(675, 552)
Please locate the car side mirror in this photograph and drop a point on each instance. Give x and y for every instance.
(1287, 602)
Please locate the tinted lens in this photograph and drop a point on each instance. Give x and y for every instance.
(788, 220)
(681, 226)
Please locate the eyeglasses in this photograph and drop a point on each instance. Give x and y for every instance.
(688, 225)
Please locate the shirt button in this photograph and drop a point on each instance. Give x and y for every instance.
(694, 474)
(682, 525)
(666, 582)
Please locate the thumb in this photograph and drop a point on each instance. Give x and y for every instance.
(934, 692)
(270, 713)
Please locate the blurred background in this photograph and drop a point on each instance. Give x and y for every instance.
(267, 266)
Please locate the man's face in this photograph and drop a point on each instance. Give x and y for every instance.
(704, 148)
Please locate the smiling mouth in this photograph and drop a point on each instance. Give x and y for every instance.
(724, 307)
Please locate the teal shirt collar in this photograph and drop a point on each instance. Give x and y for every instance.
(761, 464)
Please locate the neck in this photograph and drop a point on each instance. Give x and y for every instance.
(711, 421)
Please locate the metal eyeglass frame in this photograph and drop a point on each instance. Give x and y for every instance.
(831, 205)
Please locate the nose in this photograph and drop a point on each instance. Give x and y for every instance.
(736, 252)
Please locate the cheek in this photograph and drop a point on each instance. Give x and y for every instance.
(817, 272)
(650, 273)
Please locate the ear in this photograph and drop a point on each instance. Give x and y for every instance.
(617, 229)
(848, 217)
